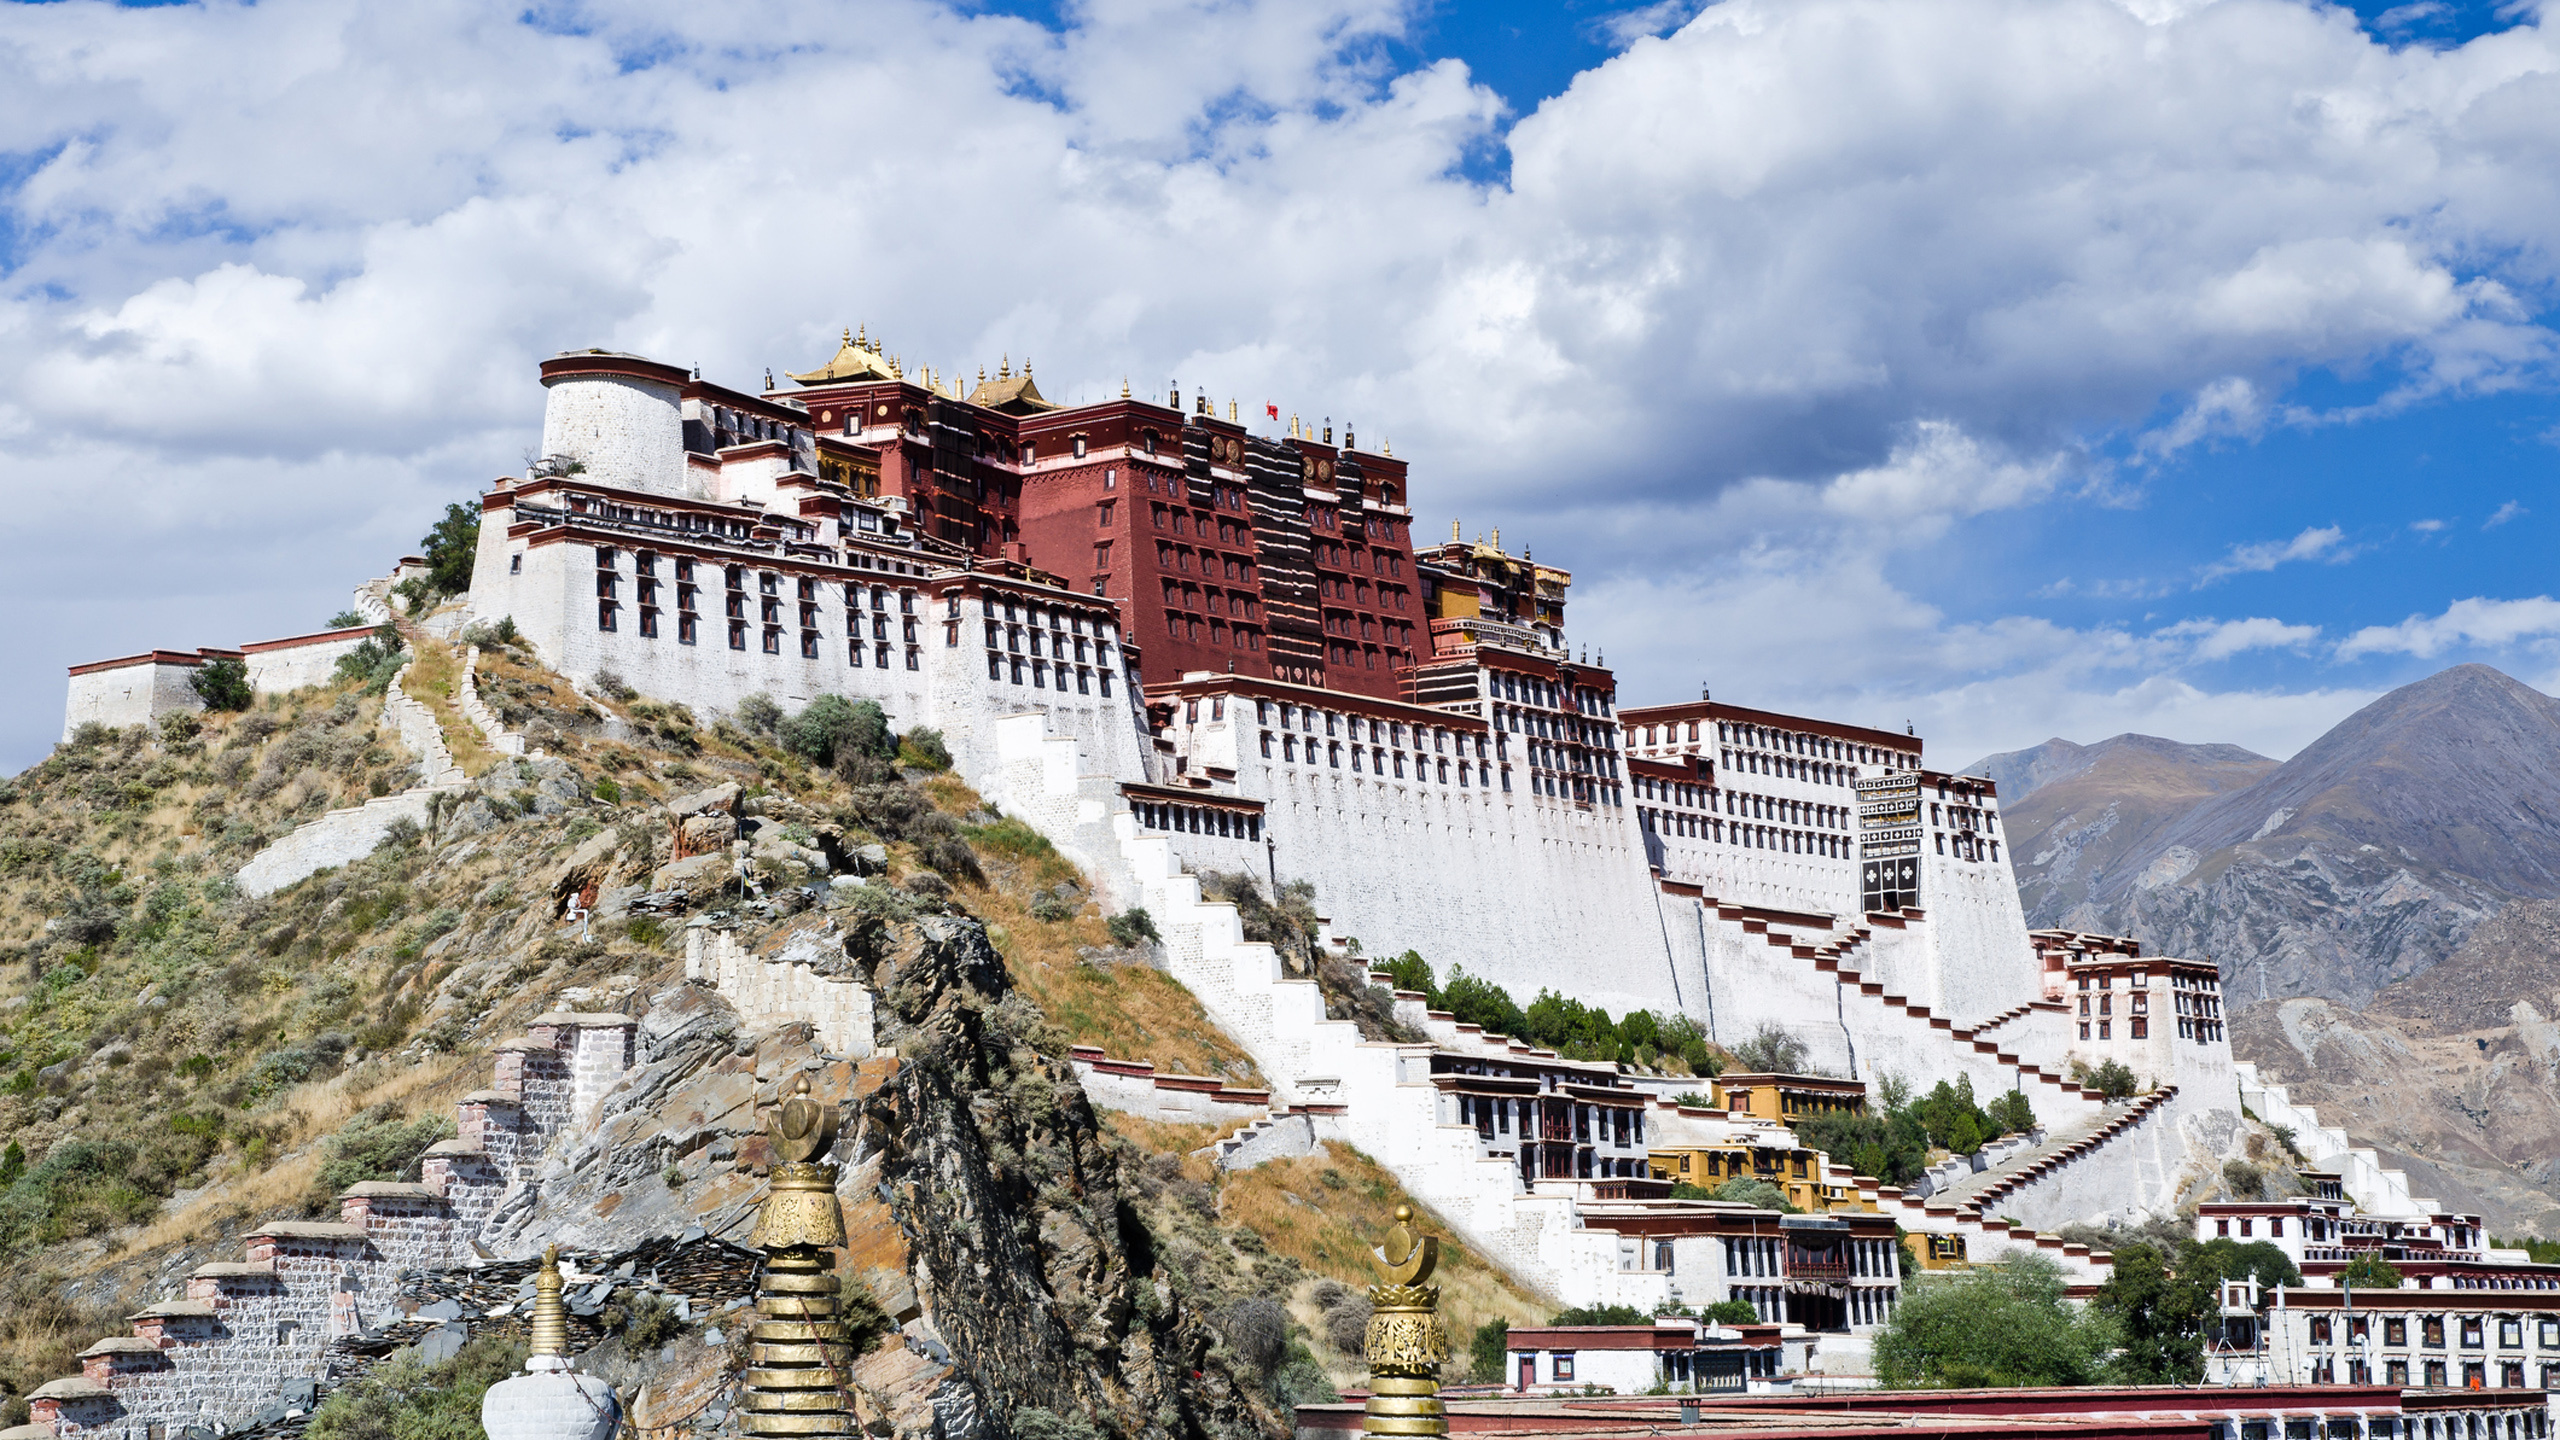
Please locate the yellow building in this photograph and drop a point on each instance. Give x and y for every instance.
(1786, 1099)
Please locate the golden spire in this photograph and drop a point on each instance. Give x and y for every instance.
(1406, 1343)
(1124, 387)
(1004, 367)
(550, 1316)
(796, 1375)
(1390, 450)
(1231, 410)
(1454, 537)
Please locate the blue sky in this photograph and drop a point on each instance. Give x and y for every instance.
(2013, 367)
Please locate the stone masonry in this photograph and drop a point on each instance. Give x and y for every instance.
(225, 1348)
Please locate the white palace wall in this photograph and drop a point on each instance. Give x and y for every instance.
(1528, 891)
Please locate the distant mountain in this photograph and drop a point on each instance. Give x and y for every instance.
(2366, 858)
(2385, 908)
(2079, 815)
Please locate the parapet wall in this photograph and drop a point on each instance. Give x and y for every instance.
(223, 1349)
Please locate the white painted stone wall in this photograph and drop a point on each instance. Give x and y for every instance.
(785, 987)
(338, 837)
(626, 430)
(477, 711)
(551, 596)
(1526, 890)
(129, 694)
(276, 666)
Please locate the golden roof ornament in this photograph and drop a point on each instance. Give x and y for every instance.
(855, 360)
(551, 1400)
(550, 1314)
(1406, 1343)
(796, 1373)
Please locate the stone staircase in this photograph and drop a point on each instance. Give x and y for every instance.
(225, 1347)
(2375, 1189)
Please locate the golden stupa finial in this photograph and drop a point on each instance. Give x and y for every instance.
(848, 334)
(1026, 367)
(1390, 449)
(1231, 410)
(1004, 367)
(1497, 539)
(550, 1316)
(1124, 387)
(1406, 1343)
(1455, 537)
(796, 1375)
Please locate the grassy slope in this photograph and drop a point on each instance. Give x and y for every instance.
(174, 1056)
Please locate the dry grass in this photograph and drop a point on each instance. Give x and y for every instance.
(1134, 1012)
(313, 1112)
(1164, 1137)
(1327, 1210)
(435, 681)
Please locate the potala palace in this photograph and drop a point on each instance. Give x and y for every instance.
(1175, 646)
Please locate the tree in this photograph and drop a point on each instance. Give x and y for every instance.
(223, 684)
(1477, 1001)
(1744, 1190)
(1730, 1312)
(1489, 1348)
(2112, 1080)
(2369, 1271)
(831, 725)
(2001, 1325)
(1410, 971)
(2159, 1317)
(1602, 1315)
(1772, 1051)
(450, 546)
(2211, 1262)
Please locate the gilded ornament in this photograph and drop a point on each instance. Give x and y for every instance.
(1406, 1342)
(796, 1373)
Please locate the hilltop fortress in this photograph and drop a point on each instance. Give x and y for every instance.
(1175, 646)
(1235, 647)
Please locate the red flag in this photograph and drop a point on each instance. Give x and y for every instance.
(1273, 410)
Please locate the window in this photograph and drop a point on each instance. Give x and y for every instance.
(2395, 1332)
(2510, 1333)
(737, 634)
(2471, 1332)
(2431, 1335)
(1563, 1368)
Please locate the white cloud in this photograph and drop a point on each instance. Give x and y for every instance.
(2222, 639)
(2426, 527)
(2505, 513)
(2326, 543)
(2476, 621)
(1827, 271)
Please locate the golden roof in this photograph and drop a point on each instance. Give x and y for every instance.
(1013, 394)
(855, 360)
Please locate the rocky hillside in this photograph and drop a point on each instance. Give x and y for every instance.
(2080, 815)
(2379, 905)
(179, 1061)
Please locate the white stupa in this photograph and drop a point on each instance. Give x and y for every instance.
(551, 1400)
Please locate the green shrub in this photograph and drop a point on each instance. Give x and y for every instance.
(922, 748)
(1132, 927)
(406, 1398)
(1730, 1312)
(375, 661)
(450, 548)
(1489, 1351)
(1744, 1190)
(1999, 1325)
(1602, 1315)
(831, 725)
(379, 1145)
(223, 684)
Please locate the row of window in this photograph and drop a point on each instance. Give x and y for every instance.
(1047, 675)
(1215, 601)
(1182, 522)
(2530, 1426)
(2471, 1330)
(1198, 820)
(1379, 761)
(1550, 726)
(1749, 837)
(1181, 558)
